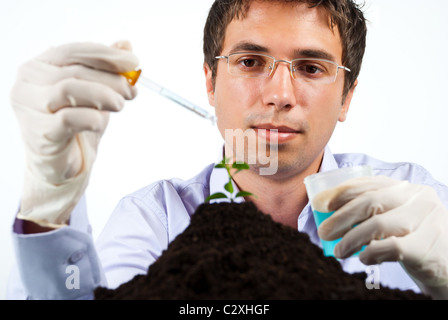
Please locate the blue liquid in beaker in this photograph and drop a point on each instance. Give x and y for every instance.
(328, 246)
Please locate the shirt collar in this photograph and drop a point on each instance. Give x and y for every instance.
(219, 177)
(328, 161)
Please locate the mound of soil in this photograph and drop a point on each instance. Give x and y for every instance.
(234, 251)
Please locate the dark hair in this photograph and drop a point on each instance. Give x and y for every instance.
(345, 14)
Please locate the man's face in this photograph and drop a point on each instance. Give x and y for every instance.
(304, 115)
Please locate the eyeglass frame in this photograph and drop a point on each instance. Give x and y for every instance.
(291, 71)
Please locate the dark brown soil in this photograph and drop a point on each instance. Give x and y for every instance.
(233, 251)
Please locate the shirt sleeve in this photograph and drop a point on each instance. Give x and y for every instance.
(137, 233)
(60, 264)
(67, 264)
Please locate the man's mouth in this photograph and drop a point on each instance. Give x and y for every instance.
(275, 133)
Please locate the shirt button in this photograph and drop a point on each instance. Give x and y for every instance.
(76, 256)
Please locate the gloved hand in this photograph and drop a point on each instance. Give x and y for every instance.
(399, 221)
(62, 100)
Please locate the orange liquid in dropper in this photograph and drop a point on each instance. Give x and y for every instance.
(132, 76)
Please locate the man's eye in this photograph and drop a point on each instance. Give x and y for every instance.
(310, 69)
(249, 63)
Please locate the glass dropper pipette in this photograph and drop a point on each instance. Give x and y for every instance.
(134, 76)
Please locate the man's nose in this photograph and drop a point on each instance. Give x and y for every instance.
(279, 90)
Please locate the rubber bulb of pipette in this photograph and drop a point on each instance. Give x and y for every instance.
(132, 76)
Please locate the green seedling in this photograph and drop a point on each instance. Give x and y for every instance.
(224, 164)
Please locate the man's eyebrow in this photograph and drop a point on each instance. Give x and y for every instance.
(298, 53)
(248, 46)
(314, 53)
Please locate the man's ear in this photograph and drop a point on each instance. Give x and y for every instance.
(346, 103)
(209, 84)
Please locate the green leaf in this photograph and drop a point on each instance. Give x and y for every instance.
(240, 166)
(220, 165)
(243, 194)
(218, 195)
(229, 186)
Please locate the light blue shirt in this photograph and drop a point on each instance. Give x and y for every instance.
(66, 264)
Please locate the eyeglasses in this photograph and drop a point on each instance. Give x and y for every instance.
(255, 65)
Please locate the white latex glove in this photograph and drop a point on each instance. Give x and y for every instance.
(399, 221)
(62, 100)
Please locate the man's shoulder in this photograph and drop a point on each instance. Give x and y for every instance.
(194, 189)
(410, 171)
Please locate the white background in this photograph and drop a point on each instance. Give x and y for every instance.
(399, 112)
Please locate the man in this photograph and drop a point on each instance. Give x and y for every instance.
(286, 70)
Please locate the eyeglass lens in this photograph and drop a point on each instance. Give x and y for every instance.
(251, 65)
